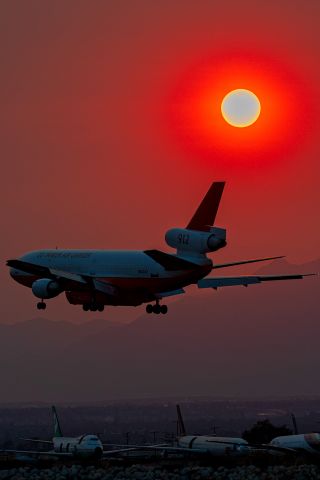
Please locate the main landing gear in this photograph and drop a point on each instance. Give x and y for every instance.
(41, 305)
(156, 308)
(93, 307)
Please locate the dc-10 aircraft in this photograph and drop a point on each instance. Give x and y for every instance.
(95, 278)
(84, 447)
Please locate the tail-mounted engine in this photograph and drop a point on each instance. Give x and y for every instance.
(46, 288)
(185, 240)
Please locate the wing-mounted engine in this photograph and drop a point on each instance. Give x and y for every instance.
(185, 240)
(46, 288)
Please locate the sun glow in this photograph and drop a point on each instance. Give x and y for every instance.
(203, 110)
(240, 108)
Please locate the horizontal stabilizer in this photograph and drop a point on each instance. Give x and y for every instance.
(242, 262)
(169, 262)
(205, 214)
(218, 282)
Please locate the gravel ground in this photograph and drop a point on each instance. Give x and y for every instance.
(142, 472)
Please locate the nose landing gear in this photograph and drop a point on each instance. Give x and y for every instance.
(157, 308)
(41, 305)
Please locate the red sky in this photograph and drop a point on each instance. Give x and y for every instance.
(96, 151)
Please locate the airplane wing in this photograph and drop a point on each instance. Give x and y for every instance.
(45, 272)
(52, 453)
(203, 451)
(109, 453)
(217, 282)
(35, 453)
(242, 262)
(284, 450)
(62, 276)
(36, 440)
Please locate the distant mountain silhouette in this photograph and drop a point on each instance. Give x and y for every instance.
(260, 340)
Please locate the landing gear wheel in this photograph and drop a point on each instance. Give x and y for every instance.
(93, 307)
(156, 309)
(164, 309)
(100, 308)
(85, 307)
(41, 306)
(149, 308)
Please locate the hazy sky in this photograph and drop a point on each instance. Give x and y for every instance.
(89, 158)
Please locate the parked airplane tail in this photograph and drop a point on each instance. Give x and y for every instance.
(181, 430)
(294, 423)
(57, 432)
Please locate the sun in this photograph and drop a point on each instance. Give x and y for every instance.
(240, 108)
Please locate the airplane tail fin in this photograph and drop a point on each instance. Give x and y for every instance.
(205, 214)
(294, 423)
(57, 432)
(181, 430)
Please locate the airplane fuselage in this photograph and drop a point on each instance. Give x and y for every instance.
(124, 277)
(84, 446)
(308, 442)
(216, 446)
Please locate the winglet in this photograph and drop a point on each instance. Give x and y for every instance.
(205, 214)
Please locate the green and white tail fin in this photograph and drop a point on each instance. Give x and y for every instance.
(57, 432)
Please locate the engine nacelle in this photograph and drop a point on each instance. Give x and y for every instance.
(46, 288)
(195, 241)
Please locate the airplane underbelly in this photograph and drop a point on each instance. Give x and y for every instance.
(121, 290)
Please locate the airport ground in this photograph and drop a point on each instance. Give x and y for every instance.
(148, 421)
(187, 471)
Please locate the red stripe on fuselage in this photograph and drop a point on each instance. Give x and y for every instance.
(142, 287)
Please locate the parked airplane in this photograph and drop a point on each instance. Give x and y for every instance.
(95, 278)
(203, 444)
(304, 443)
(216, 446)
(86, 446)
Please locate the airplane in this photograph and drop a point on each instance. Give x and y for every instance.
(95, 278)
(304, 443)
(308, 443)
(83, 447)
(201, 444)
(206, 445)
